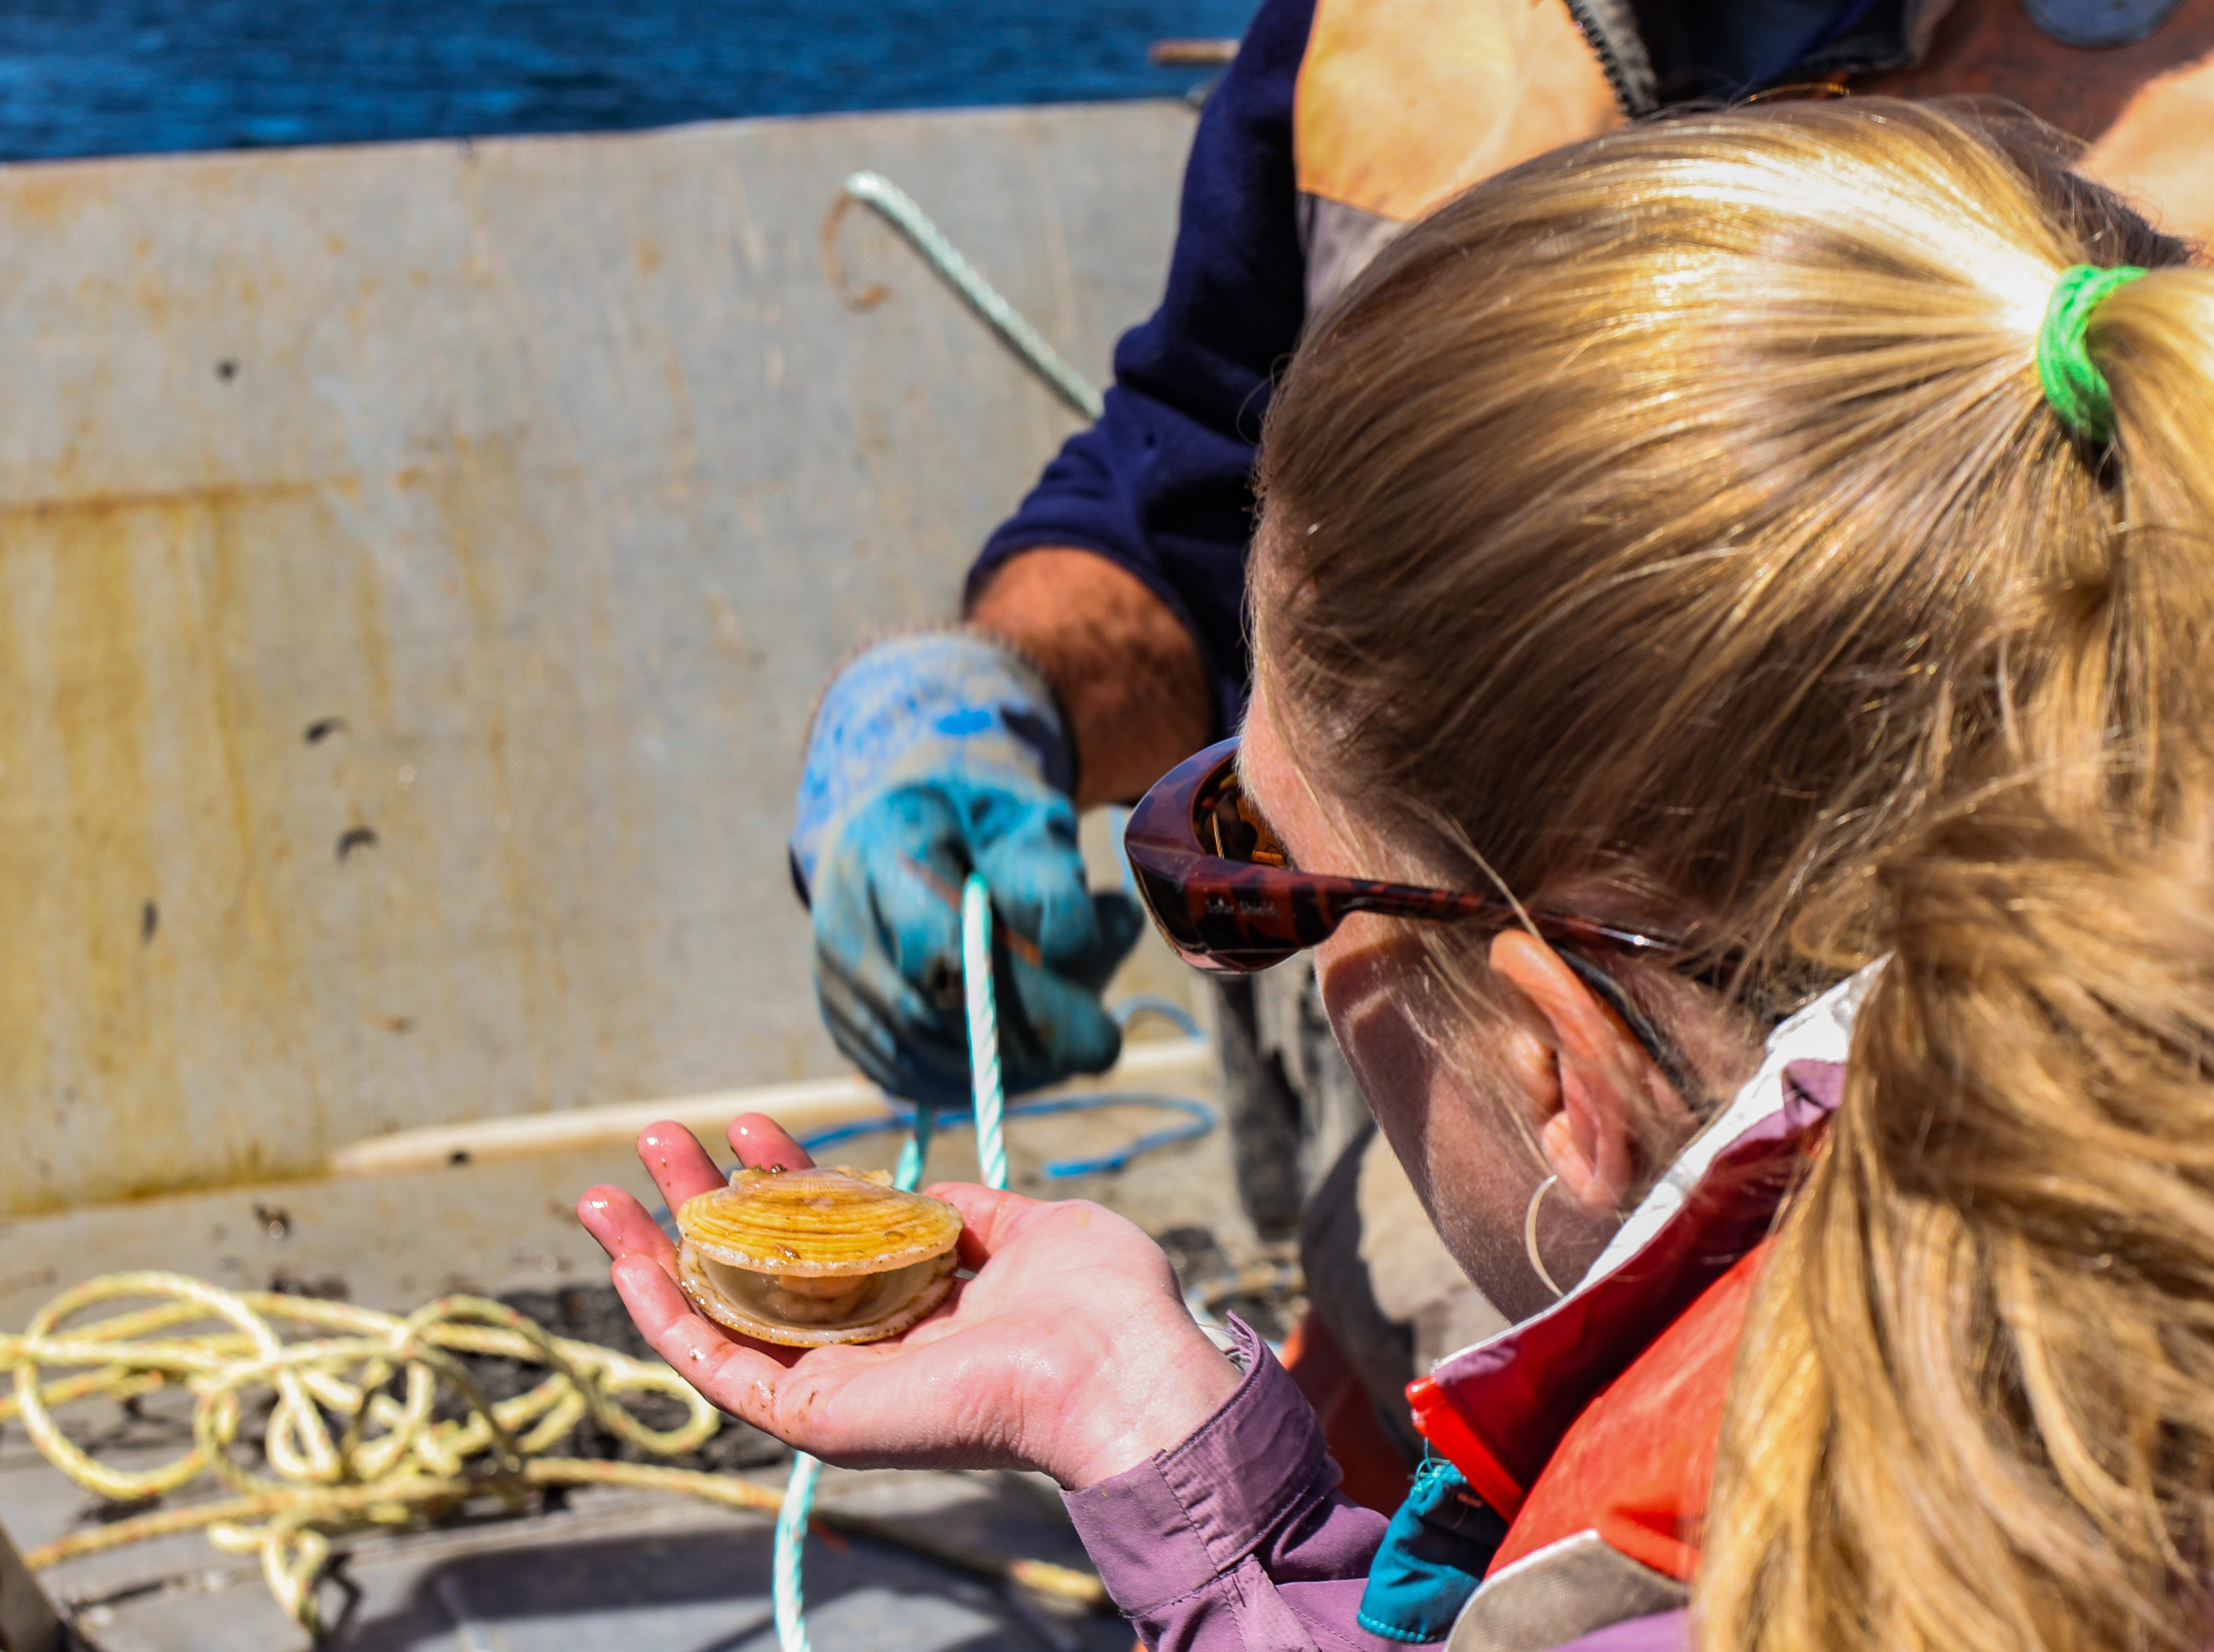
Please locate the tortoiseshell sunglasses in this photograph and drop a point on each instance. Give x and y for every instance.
(1226, 896)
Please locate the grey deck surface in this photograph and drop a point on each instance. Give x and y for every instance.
(614, 1569)
(626, 1572)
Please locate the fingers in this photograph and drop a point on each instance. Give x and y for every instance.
(680, 1166)
(1121, 920)
(916, 861)
(989, 1219)
(763, 1144)
(622, 1225)
(1052, 1021)
(886, 926)
(1051, 1026)
(886, 1027)
(737, 1377)
(1038, 888)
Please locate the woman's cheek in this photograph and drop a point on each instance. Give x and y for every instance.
(1450, 1114)
(1367, 974)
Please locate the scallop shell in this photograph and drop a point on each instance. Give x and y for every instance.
(807, 1257)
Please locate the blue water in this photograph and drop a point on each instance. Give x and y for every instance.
(128, 77)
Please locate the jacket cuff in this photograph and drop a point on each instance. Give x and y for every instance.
(1189, 1515)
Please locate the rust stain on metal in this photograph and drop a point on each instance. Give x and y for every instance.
(104, 674)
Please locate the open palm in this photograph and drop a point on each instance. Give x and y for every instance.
(1069, 1351)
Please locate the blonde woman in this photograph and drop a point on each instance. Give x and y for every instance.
(1734, 628)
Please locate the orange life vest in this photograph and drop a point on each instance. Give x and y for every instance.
(1636, 1466)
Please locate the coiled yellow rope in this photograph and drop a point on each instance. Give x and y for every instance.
(391, 1461)
(388, 1461)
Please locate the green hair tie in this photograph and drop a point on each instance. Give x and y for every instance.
(2073, 383)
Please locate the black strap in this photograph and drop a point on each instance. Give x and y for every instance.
(1662, 1049)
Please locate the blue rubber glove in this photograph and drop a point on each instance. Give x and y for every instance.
(934, 756)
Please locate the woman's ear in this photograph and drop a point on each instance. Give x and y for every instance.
(1588, 1127)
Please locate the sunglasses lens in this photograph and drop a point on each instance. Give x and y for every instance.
(1202, 857)
(1229, 825)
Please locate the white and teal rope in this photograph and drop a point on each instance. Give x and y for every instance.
(991, 1157)
(790, 1541)
(984, 1031)
(897, 208)
(916, 1149)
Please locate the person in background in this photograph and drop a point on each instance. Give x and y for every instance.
(1765, 598)
(1104, 636)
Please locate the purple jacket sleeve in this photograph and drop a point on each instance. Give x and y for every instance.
(1161, 486)
(1236, 1540)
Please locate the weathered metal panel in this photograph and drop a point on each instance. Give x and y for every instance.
(417, 565)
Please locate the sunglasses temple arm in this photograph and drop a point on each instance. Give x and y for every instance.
(1665, 1054)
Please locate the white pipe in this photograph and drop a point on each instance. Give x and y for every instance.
(808, 1104)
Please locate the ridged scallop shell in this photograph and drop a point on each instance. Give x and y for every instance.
(765, 1256)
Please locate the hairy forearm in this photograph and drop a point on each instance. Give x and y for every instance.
(1128, 673)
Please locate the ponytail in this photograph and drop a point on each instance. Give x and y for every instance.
(1974, 1405)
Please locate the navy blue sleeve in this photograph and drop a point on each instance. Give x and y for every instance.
(1162, 483)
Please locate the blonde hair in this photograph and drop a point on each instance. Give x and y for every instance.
(1684, 508)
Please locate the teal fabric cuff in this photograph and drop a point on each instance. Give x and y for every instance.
(1434, 1554)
